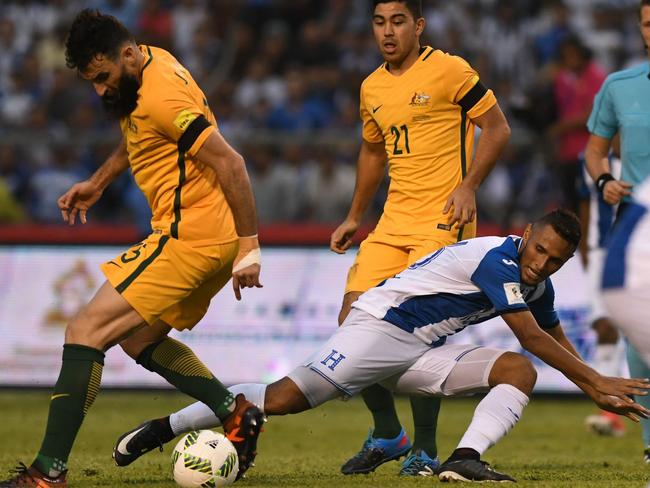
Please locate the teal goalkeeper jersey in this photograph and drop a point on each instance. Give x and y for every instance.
(623, 105)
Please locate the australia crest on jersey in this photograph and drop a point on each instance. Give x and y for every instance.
(420, 99)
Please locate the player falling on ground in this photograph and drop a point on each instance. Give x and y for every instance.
(201, 200)
(622, 107)
(395, 335)
(419, 110)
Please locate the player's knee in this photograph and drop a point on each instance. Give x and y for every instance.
(284, 397)
(79, 331)
(133, 348)
(514, 369)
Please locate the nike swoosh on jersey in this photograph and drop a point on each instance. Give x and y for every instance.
(374, 109)
(60, 395)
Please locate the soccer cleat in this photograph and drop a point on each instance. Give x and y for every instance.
(646, 455)
(375, 452)
(605, 424)
(151, 435)
(242, 428)
(33, 478)
(470, 470)
(419, 464)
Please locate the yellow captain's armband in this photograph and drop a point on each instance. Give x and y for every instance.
(184, 119)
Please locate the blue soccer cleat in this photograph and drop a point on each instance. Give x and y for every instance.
(376, 452)
(419, 464)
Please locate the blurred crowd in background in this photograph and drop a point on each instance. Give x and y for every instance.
(283, 79)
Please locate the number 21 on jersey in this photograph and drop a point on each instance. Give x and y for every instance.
(400, 146)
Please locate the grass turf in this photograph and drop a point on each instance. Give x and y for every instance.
(549, 447)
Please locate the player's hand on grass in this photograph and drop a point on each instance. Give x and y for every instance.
(341, 238)
(247, 265)
(77, 200)
(615, 190)
(463, 201)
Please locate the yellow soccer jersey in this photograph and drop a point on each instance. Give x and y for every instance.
(163, 135)
(424, 118)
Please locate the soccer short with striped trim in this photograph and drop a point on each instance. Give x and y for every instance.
(382, 256)
(167, 279)
(366, 350)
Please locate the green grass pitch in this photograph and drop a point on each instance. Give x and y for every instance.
(549, 447)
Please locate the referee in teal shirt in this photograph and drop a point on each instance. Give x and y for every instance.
(622, 106)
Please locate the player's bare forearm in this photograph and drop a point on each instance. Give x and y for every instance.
(560, 337)
(114, 165)
(236, 188)
(495, 133)
(614, 400)
(596, 156)
(371, 168)
(233, 179)
(537, 342)
(83, 195)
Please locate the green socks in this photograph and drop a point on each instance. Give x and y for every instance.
(74, 393)
(387, 426)
(380, 403)
(176, 362)
(425, 420)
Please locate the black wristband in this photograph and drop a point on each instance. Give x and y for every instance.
(602, 179)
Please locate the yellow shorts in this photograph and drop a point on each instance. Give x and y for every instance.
(164, 278)
(381, 256)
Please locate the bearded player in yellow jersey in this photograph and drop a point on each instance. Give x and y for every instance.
(419, 110)
(204, 232)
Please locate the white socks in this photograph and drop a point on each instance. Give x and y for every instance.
(494, 416)
(608, 359)
(199, 416)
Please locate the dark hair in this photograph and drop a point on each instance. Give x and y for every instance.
(414, 6)
(574, 41)
(94, 33)
(643, 3)
(565, 223)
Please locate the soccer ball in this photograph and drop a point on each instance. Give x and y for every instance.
(204, 459)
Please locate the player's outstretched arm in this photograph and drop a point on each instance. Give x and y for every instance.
(545, 347)
(81, 196)
(236, 186)
(605, 402)
(371, 167)
(495, 133)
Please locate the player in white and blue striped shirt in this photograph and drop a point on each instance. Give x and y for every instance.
(395, 336)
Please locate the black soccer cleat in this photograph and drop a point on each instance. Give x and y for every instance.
(242, 428)
(471, 470)
(151, 435)
(375, 452)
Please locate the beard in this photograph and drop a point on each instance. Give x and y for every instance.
(121, 103)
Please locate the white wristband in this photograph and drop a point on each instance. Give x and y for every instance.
(254, 256)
